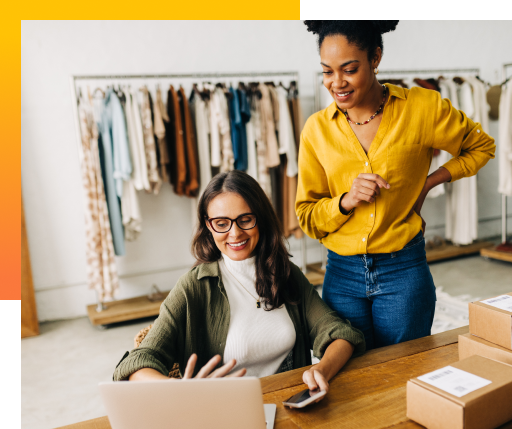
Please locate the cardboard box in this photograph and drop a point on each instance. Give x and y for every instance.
(486, 407)
(470, 345)
(490, 322)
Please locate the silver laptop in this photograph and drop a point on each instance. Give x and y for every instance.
(213, 403)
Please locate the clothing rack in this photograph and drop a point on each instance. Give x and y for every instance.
(447, 251)
(102, 313)
(495, 253)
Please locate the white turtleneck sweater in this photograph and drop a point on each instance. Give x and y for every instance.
(259, 340)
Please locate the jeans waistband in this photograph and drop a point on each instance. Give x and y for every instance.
(381, 256)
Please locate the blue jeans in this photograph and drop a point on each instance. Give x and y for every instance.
(390, 297)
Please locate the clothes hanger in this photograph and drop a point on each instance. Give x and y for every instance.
(100, 90)
(458, 80)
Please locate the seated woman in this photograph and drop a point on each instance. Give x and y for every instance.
(244, 301)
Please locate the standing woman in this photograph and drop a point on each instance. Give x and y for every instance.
(363, 166)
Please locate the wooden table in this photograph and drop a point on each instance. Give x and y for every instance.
(369, 392)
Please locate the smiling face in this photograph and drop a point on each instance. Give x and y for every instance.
(237, 244)
(348, 75)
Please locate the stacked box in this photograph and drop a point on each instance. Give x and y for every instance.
(474, 393)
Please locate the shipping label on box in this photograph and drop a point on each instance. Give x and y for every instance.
(491, 319)
(470, 345)
(474, 393)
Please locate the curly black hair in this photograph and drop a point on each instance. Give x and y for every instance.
(366, 35)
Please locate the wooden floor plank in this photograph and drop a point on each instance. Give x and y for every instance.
(495, 254)
(449, 251)
(124, 309)
(373, 357)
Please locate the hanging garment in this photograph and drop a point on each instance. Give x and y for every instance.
(177, 146)
(106, 155)
(480, 102)
(235, 120)
(100, 262)
(155, 181)
(268, 128)
(214, 125)
(289, 168)
(286, 136)
(136, 139)
(132, 219)
(114, 117)
(261, 146)
(505, 139)
(158, 113)
(252, 161)
(192, 183)
(200, 116)
(461, 215)
(130, 212)
(245, 115)
(274, 99)
(220, 131)
(297, 116)
(252, 156)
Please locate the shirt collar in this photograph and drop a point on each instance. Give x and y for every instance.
(210, 269)
(394, 91)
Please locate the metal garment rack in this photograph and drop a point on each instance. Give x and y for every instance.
(210, 77)
(318, 78)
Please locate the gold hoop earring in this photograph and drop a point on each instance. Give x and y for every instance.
(376, 70)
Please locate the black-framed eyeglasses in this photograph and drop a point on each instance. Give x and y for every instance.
(223, 224)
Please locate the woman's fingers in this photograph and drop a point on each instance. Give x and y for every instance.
(209, 367)
(223, 370)
(239, 373)
(191, 364)
(321, 381)
(309, 379)
(375, 178)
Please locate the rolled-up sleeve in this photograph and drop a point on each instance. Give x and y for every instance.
(159, 349)
(325, 326)
(463, 138)
(318, 212)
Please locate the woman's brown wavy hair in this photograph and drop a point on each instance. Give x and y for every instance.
(272, 258)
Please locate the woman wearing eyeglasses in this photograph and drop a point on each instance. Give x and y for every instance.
(244, 303)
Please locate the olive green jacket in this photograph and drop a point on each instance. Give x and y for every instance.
(194, 318)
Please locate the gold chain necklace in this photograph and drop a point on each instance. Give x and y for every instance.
(258, 304)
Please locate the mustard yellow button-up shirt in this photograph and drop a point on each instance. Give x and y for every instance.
(414, 123)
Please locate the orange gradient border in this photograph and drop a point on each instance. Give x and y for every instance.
(10, 161)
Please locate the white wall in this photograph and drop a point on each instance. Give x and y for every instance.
(52, 51)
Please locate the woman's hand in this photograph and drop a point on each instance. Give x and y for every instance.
(418, 205)
(441, 175)
(150, 374)
(365, 188)
(315, 380)
(206, 371)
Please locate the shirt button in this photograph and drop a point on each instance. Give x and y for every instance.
(478, 131)
(371, 215)
(367, 163)
(364, 239)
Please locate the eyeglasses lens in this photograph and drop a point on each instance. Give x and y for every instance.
(244, 222)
